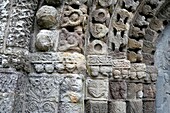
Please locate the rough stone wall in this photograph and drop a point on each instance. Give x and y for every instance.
(82, 56)
(16, 21)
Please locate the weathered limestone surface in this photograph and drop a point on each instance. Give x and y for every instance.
(8, 85)
(84, 56)
(162, 62)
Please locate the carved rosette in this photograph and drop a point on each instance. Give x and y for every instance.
(73, 24)
(42, 94)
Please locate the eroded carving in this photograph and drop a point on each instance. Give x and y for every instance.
(96, 106)
(44, 40)
(105, 3)
(98, 30)
(97, 89)
(42, 93)
(46, 16)
(58, 62)
(71, 89)
(70, 41)
(118, 89)
(117, 107)
(70, 108)
(100, 71)
(97, 47)
(6, 102)
(101, 15)
(72, 16)
(130, 5)
(119, 36)
(53, 2)
(99, 60)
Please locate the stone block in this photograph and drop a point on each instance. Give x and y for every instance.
(102, 33)
(53, 2)
(8, 80)
(133, 76)
(121, 63)
(100, 71)
(134, 44)
(6, 102)
(97, 89)
(21, 84)
(118, 89)
(96, 106)
(149, 91)
(148, 59)
(154, 77)
(99, 60)
(19, 104)
(117, 107)
(97, 17)
(70, 108)
(148, 47)
(71, 89)
(134, 106)
(139, 91)
(149, 106)
(131, 90)
(135, 67)
(136, 32)
(141, 75)
(151, 69)
(156, 24)
(119, 55)
(42, 93)
(44, 107)
(135, 56)
(152, 74)
(132, 56)
(43, 87)
(151, 35)
(134, 90)
(121, 73)
(60, 62)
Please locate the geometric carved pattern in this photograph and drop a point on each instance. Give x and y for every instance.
(78, 56)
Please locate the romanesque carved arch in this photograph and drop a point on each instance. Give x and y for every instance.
(108, 45)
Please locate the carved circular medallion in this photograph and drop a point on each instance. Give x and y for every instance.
(100, 15)
(97, 47)
(98, 30)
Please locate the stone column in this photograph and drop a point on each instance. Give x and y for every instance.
(9, 89)
(58, 64)
(16, 24)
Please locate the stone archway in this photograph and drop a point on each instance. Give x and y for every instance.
(83, 56)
